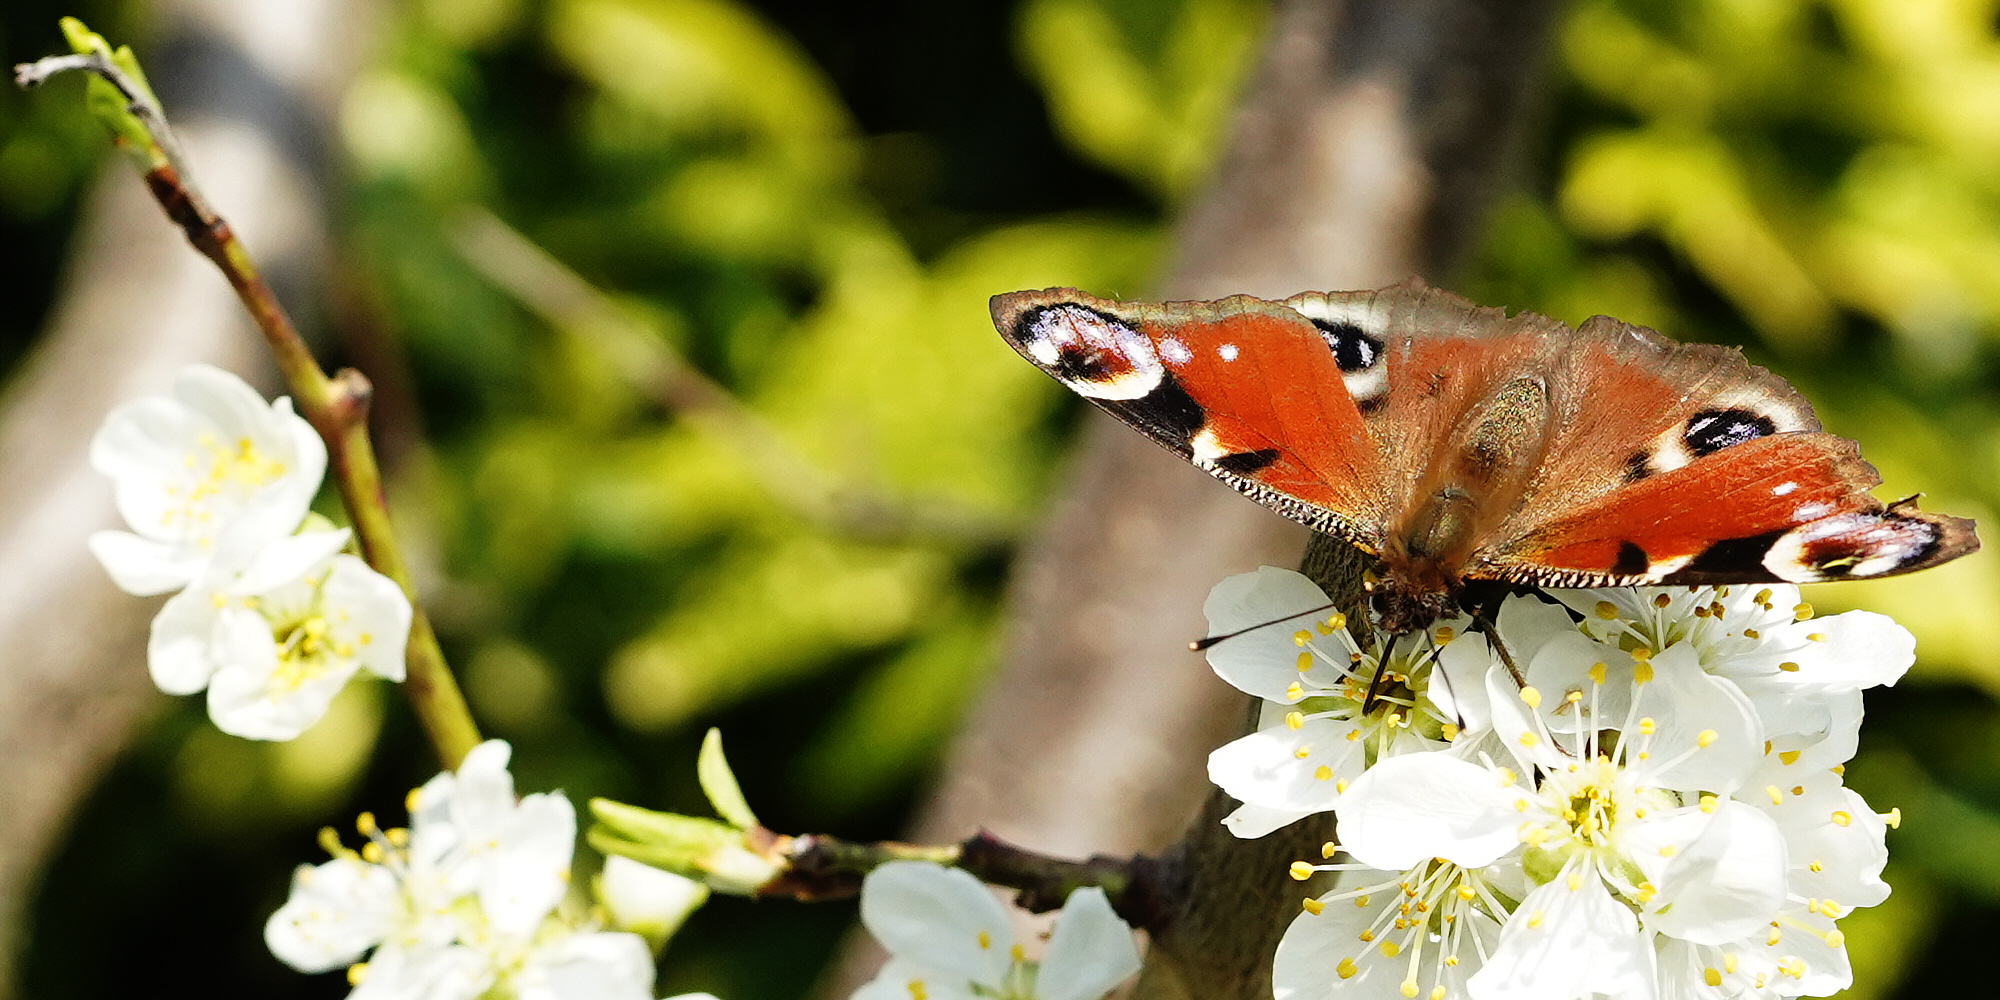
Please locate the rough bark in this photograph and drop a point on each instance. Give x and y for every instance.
(1365, 147)
(137, 304)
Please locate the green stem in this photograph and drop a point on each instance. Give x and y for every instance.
(336, 407)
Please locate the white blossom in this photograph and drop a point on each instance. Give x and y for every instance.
(948, 938)
(275, 640)
(1326, 714)
(1651, 808)
(463, 901)
(209, 475)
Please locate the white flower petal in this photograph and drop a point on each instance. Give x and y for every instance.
(1564, 942)
(370, 614)
(1728, 882)
(1266, 769)
(1249, 822)
(938, 919)
(336, 912)
(142, 567)
(527, 866)
(597, 966)
(1090, 951)
(178, 652)
(252, 695)
(1410, 808)
(646, 900)
(286, 560)
(1707, 735)
(428, 972)
(1273, 604)
(901, 980)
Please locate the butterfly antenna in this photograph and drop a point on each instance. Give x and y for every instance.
(1378, 683)
(1204, 643)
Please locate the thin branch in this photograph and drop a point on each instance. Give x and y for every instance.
(336, 407)
(578, 309)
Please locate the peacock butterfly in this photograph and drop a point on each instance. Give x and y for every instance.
(1458, 445)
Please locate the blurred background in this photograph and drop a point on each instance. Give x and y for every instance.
(676, 311)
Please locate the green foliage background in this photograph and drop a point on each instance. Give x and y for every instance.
(811, 203)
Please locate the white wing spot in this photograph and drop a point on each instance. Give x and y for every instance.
(1811, 511)
(1783, 488)
(1174, 352)
(1226, 352)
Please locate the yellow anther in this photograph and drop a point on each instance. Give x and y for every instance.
(1304, 662)
(1841, 817)
(1763, 597)
(1667, 851)
(371, 852)
(1573, 697)
(1709, 803)
(1465, 892)
(1729, 962)
(1793, 966)
(1815, 867)
(1437, 992)
(1529, 739)
(1642, 672)
(1771, 792)
(1789, 667)
(1366, 936)
(1574, 881)
(1294, 720)
(1751, 633)
(1353, 736)
(1294, 691)
(1532, 697)
(1300, 871)
(1408, 989)
(1017, 953)
(1788, 756)
(1835, 939)
(1712, 976)
(917, 990)
(1505, 774)
(1442, 634)
(1803, 611)
(1597, 672)
(1329, 849)
(1390, 949)
(1642, 653)
(356, 973)
(1535, 919)
(365, 823)
(1894, 817)
(1607, 610)
(1301, 637)
(1448, 731)
(1706, 737)
(985, 941)
(1815, 636)
(1302, 752)
(1346, 969)
(1647, 726)
(1336, 621)
(1312, 906)
(1322, 773)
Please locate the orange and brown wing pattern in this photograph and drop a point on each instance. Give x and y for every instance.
(1791, 507)
(1250, 391)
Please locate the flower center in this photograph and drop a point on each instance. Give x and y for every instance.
(219, 469)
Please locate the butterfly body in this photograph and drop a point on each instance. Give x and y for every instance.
(1457, 444)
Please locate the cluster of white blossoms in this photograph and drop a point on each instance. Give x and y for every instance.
(948, 938)
(1641, 798)
(272, 618)
(467, 901)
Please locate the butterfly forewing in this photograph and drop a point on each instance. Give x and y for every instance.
(1238, 387)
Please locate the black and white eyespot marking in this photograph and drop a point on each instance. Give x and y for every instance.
(1353, 349)
(1097, 355)
(1711, 431)
(1353, 335)
(1858, 544)
(1167, 413)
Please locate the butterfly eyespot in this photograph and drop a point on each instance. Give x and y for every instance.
(1852, 545)
(1353, 349)
(1095, 354)
(1711, 431)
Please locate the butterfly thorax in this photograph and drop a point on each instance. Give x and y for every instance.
(1470, 487)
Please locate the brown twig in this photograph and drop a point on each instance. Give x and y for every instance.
(336, 407)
